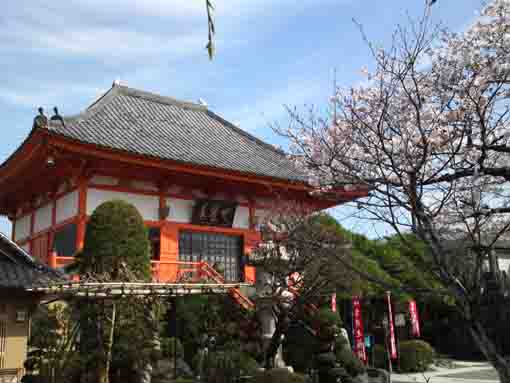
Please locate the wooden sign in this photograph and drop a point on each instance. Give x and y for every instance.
(214, 213)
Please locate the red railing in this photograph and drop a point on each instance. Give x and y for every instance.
(174, 272)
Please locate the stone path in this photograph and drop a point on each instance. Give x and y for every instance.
(466, 372)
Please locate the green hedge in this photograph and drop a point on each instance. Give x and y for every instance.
(278, 375)
(380, 357)
(167, 347)
(415, 356)
(350, 362)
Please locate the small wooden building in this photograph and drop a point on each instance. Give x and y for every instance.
(18, 272)
(201, 184)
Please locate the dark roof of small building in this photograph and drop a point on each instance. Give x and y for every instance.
(147, 124)
(18, 270)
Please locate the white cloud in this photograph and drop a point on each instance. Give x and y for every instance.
(268, 107)
(105, 43)
(48, 95)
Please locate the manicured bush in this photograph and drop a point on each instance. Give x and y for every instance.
(168, 346)
(184, 380)
(380, 357)
(299, 347)
(278, 375)
(415, 356)
(248, 365)
(350, 362)
(116, 243)
(227, 366)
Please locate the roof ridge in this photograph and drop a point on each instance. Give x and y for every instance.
(245, 133)
(167, 100)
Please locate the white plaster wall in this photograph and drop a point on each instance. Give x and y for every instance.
(22, 229)
(242, 218)
(67, 206)
(143, 185)
(43, 218)
(148, 206)
(104, 180)
(181, 210)
(260, 216)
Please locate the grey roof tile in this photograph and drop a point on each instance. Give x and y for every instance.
(19, 270)
(147, 124)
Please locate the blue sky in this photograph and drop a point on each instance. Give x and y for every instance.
(270, 53)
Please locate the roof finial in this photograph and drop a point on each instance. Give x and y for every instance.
(57, 117)
(40, 121)
(119, 82)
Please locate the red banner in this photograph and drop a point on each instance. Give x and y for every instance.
(393, 343)
(415, 321)
(359, 338)
(333, 303)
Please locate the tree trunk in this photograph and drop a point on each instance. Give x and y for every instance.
(488, 348)
(104, 366)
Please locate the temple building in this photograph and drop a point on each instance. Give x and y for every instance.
(202, 185)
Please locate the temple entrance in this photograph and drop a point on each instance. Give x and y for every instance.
(213, 248)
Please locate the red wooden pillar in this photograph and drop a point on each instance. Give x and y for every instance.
(82, 213)
(169, 251)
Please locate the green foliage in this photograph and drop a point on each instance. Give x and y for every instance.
(350, 362)
(184, 380)
(168, 347)
(380, 357)
(300, 346)
(326, 317)
(278, 375)
(415, 356)
(52, 340)
(116, 335)
(116, 243)
(222, 367)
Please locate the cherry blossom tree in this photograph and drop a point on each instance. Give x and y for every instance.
(298, 262)
(428, 134)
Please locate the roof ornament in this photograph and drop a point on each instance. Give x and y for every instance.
(57, 117)
(202, 102)
(40, 121)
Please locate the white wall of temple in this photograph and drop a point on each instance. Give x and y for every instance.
(22, 227)
(147, 205)
(42, 218)
(67, 206)
(181, 210)
(242, 218)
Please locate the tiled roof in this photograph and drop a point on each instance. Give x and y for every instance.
(19, 270)
(143, 123)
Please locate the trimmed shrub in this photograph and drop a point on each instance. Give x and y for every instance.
(278, 375)
(350, 362)
(415, 356)
(248, 365)
(116, 243)
(227, 366)
(168, 345)
(300, 346)
(380, 357)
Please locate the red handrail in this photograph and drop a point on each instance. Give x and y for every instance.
(175, 271)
